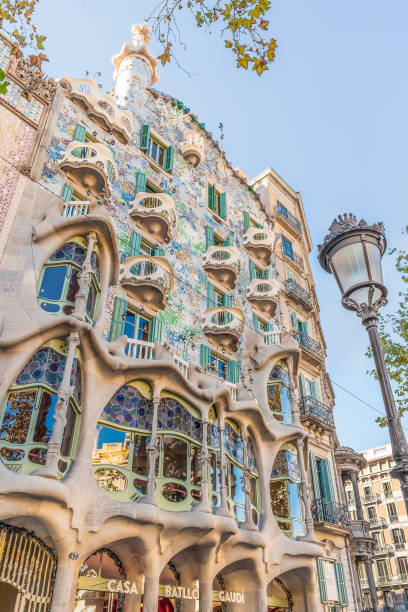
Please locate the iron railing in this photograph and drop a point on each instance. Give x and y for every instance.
(371, 498)
(329, 511)
(291, 286)
(314, 407)
(377, 522)
(289, 252)
(309, 344)
(282, 210)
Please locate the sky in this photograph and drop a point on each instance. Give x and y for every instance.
(330, 117)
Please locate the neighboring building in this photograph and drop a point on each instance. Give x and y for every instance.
(384, 509)
(166, 426)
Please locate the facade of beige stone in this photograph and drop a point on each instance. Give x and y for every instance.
(166, 427)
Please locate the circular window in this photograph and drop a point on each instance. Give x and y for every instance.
(174, 492)
(37, 455)
(111, 479)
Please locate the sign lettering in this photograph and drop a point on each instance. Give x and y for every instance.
(122, 586)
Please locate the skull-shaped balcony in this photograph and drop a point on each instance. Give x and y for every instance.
(147, 280)
(91, 165)
(263, 295)
(222, 264)
(223, 327)
(155, 213)
(259, 244)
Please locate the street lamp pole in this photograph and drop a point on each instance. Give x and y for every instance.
(352, 252)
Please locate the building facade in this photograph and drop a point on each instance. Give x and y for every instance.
(384, 510)
(167, 439)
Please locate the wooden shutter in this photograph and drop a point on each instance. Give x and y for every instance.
(159, 252)
(256, 322)
(210, 295)
(140, 182)
(227, 300)
(118, 319)
(232, 371)
(322, 580)
(247, 221)
(302, 384)
(145, 137)
(294, 319)
(341, 583)
(252, 271)
(80, 132)
(204, 355)
(209, 236)
(168, 159)
(269, 327)
(211, 197)
(135, 241)
(223, 205)
(156, 330)
(228, 241)
(66, 193)
(315, 476)
(328, 489)
(304, 328)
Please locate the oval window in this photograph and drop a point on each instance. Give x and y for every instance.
(196, 494)
(174, 492)
(12, 454)
(37, 455)
(221, 255)
(111, 479)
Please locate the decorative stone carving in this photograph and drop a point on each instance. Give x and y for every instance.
(264, 294)
(148, 280)
(138, 47)
(222, 264)
(347, 222)
(32, 79)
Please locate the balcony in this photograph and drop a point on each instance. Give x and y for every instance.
(271, 338)
(263, 295)
(377, 523)
(330, 512)
(313, 409)
(148, 280)
(259, 244)
(371, 498)
(394, 518)
(76, 208)
(155, 213)
(290, 255)
(399, 546)
(288, 220)
(222, 264)
(192, 148)
(311, 350)
(91, 165)
(298, 295)
(383, 550)
(223, 327)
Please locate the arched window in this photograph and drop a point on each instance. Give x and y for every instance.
(284, 489)
(58, 284)
(94, 576)
(278, 394)
(27, 413)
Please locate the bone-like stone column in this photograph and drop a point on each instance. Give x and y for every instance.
(249, 521)
(304, 490)
(223, 508)
(204, 505)
(293, 395)
(206, 595)
(63, 597)
(151, 593)
(153, 452)
(84, 280)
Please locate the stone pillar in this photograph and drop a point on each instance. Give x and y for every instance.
(151, 593)
(60, 415)
(357, 497)
(371, 583)
(84, 280)
(249, 521)
(206, 604)
(153, 452)
(293, 395)
(65, 586)
(223, 508)
(204, 505)
(305, 494)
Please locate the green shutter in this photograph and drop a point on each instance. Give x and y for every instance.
(255, 321)
(135, 241)
(294, 319)
(252, 271)
(315, 476)
(302, 384)
(227, 300)
(322, 580)
(168, 159)
(265, 274)
(210, 295)
(228, 241)
(232, 372)
(140, 182)
(118, 319)
(145, 137)
(341, 583)
(209, 237)
(304, 328)
(204, 355)
(327, 484)
(80, 132)
(269, 327)
(67, 192)
(156, 330)
(211, 197)
(247, 221)
(313, 389)
(159, 252)
(223, 205)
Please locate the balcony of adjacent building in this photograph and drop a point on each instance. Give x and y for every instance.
(400, 546)
(259, 244)
(383, 550)
(91, 166)
(155, 213)
(223, 326)
(222, 264)
(311, 349)
(371, 498)
(147, 280)
(288, 220)
(297, 294)
(291, 256)
(314, 412)
(331, 516)
(264, 296)
(377, 523)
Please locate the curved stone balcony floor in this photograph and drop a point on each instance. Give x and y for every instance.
(90, 164)
(147, 280)
(222, 264)
(155, 213)
(259, 244)
(263, 295)
(223, 327)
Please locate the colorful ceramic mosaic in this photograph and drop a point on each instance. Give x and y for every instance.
(174, 417)
(70, 251)
(32, 109)
(4, 53)
(128, 407)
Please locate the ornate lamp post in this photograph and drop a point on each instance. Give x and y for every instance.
(352, 252)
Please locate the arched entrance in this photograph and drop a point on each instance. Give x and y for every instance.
(279, 597)
(101, 583)
(169, 577)
(23, 583)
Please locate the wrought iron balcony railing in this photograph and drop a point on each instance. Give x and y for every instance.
(371, 498)
(383, 549)
(296, 292)
(311, 406)
(309, 344)
(399, 545)
(290, 253)
(377, 522)
(283, 212)
(328, 511)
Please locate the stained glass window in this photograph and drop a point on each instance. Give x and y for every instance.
(130, 408)
(233, 443)
(284, 490)
(174, 416)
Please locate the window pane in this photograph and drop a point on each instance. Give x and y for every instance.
(140, 463)
(45, 419)
(237, 491)
(91, 301)
(143, 329)
(294, 500)
(279, 498)
(195, 472)
(130, 323)
(17, 416)
(154, 150)
(175, 458)
(161, 156)
(112, 447)
(214, 472)
(53, 282)
(73, 285)
(68, 432)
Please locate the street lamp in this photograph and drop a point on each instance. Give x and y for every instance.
(352, 252)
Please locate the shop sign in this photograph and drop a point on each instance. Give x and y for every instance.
(122, 586)
(174, 592)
